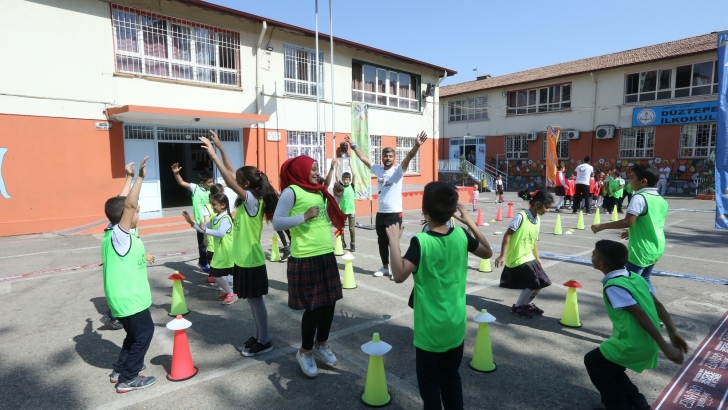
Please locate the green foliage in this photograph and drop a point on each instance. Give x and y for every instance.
(707, 186)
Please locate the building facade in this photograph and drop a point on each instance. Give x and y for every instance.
(655, 104)
(99, 84)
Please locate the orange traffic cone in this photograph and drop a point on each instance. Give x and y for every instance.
(499, 215)
(182, 366)
(479, 221)
(510, 210)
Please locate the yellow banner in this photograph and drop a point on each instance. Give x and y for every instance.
(552, 158)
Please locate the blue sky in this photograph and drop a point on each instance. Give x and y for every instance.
(500, 37)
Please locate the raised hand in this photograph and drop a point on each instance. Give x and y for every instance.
(176, 168)
(214, 138)
(129, 169)
(464, 217)
(188, 218)
(207, 146)
(421, 138)
(394, 232)
(143, 168)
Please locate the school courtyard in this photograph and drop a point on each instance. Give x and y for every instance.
(57, 354)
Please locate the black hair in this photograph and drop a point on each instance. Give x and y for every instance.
(387, 150)
(259, 186)
(221, 199)
(346, 175)
(216, 189)
(440, 200)
(542, 197)
(587, 159)
(204, 175)
(114, 208)
(648, 172)
(612, 253)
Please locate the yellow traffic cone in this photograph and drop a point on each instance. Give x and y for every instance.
(349, 281)
(485, 266)
(375, 389)
(580, 221)
(338, 247)
(615, 217)
(179, 306)
(557, 228)
(275, 254)
(570, 316)
(483, 353)
(597, 218)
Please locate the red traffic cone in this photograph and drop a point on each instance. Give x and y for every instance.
(499, 215)
(182, 366)
(510, 210)
(479, 221)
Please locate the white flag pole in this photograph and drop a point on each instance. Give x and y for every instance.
(333, 104)
(318, 88)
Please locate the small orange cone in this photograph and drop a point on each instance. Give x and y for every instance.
(499, 215)
(182, 366)
(510, 210)
(479, 220)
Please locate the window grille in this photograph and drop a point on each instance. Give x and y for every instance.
(138, 132)
(539, 100)
(307, 143)
(181, 134)
(516, 146)
(697, 140)
(382, 86)
(375, 149)
(405, 145)
(468, 109)
(300, 71)
(637, 142)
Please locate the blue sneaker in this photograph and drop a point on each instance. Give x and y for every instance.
(205, 268)
(140, 382)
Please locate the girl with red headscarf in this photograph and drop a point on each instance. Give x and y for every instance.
(306, 207)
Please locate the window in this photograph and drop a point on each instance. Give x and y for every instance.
(697, 140)
(300, 71)
(562, 146)
(385, 87)
(637, 142)
(159, 46)
(174, 133)
(375, 149)
(404, 145)
(516, 146)
(469, 109)
(683, 81)
(539, 100)
(306, 143)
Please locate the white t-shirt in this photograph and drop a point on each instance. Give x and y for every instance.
(389, 183)
(666, 171)
(638, 204)
(583, 173)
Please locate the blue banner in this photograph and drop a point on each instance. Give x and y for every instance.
(675, 114)
(721, 144)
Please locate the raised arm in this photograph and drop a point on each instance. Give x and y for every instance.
(359, 153)
(484, 251)
(129, 169)
(132, 200)
(500, 260)
(327, 180)
(421, 138)
(225, 159)
(228, 176)
(176, 169)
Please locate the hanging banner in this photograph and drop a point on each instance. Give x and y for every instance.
(552, 159)
(721, 146)
(360, 136)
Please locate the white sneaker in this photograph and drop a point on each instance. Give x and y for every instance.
(308, 364)
(382, 272)
(324, 353)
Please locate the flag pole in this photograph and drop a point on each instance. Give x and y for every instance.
(318, 87)
(333, 104)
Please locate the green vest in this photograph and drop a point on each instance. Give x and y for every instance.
(210, 241)
(520, 247)
(630, 345)
(627, 187)
(647, 233)
(223, 257)
(125, 277)
(247, 229)
(311, 238)
(200, 198)
(346, 204)
(439, 302)
(616, 191)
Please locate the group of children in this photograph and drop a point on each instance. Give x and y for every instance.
(607, 190)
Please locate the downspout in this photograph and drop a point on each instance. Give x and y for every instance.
(594, 114)
(435, 140)
(258, 93)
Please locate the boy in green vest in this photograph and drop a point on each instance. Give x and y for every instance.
(617, 190)
(347, 206)
(438, 259)
(644, 223)
(126, 287)
(200, 198)
(635, 312)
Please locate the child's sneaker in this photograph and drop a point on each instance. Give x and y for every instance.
(205, 268)
(521, 311)
(139, 382)
(114, 376)
(257, 348)
(324, 353)
(222, 296)
(353, 248)
(248, 344)
(382, 272)
(308, 364)
(112, 324)
(286, 253)
(534, 309)
(230, 299)
(210, 279)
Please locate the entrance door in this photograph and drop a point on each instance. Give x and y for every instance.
(135, 150)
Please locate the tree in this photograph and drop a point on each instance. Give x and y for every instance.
(463, 169)
(707, 186)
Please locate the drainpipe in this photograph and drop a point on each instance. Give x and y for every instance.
(435, 170)
(258, 93)
(594, 114)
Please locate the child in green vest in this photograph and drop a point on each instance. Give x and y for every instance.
(346, 204)
(126, 287)
(438, 260)
(627, 192)
(616, 189)
(519, 252)
(200, 197)
(636, 340)
(306, 207)
(644, 223)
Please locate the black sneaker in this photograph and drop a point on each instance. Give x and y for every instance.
(534, 309)
(521, 311)
(257, 349)
(248, 344)
(353, 248)
(110, 323)
(286, 253)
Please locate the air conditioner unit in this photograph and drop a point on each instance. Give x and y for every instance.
(531, 136)
(571, 134)
(605, 132)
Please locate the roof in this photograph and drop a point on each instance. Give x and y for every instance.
(671, 49)
(337, 40)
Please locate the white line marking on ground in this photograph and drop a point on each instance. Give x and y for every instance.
(77, 249)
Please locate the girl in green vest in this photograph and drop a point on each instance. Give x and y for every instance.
(306, 207)
(256, 200)
(208, 214)
(523, 269)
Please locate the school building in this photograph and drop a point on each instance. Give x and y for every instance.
(95, 84)
(655, 104)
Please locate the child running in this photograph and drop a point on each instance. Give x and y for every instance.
(256, 199)
(200, 197)
(438, 260)
(523, 268)
(305, 207)
(636, 341)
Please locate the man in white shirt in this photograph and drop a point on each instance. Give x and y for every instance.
(389, 180)
(662, 184)
(583, 175)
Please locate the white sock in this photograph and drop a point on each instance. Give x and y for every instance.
(223, 283)
(524, 297)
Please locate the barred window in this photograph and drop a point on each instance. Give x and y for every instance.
(383, 86)
(516, 146)
(404, 145)
(562, 146)
(375, 149)
(637, 142)
(307, 143)
(537, 100)
(697, 140)
(468, 109)
(173, 133)
(300, 71)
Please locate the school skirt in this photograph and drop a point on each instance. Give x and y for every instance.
(560, 191)
(499, 189)
(313, 282)
(529, 275)
(250, 282)
(220, 272)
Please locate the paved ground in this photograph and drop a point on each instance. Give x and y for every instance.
(56, 353)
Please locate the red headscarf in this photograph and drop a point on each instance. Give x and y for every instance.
(297, 171)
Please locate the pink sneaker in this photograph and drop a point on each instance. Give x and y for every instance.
(230, 299)
(222, 295)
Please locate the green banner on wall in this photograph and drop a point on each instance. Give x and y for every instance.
(360, 136)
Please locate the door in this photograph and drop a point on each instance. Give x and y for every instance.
(454, 149)
(135, 150)
(480, 154)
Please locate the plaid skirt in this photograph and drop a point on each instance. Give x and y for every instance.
(250, 282)
(313, 282)
(529, 275)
